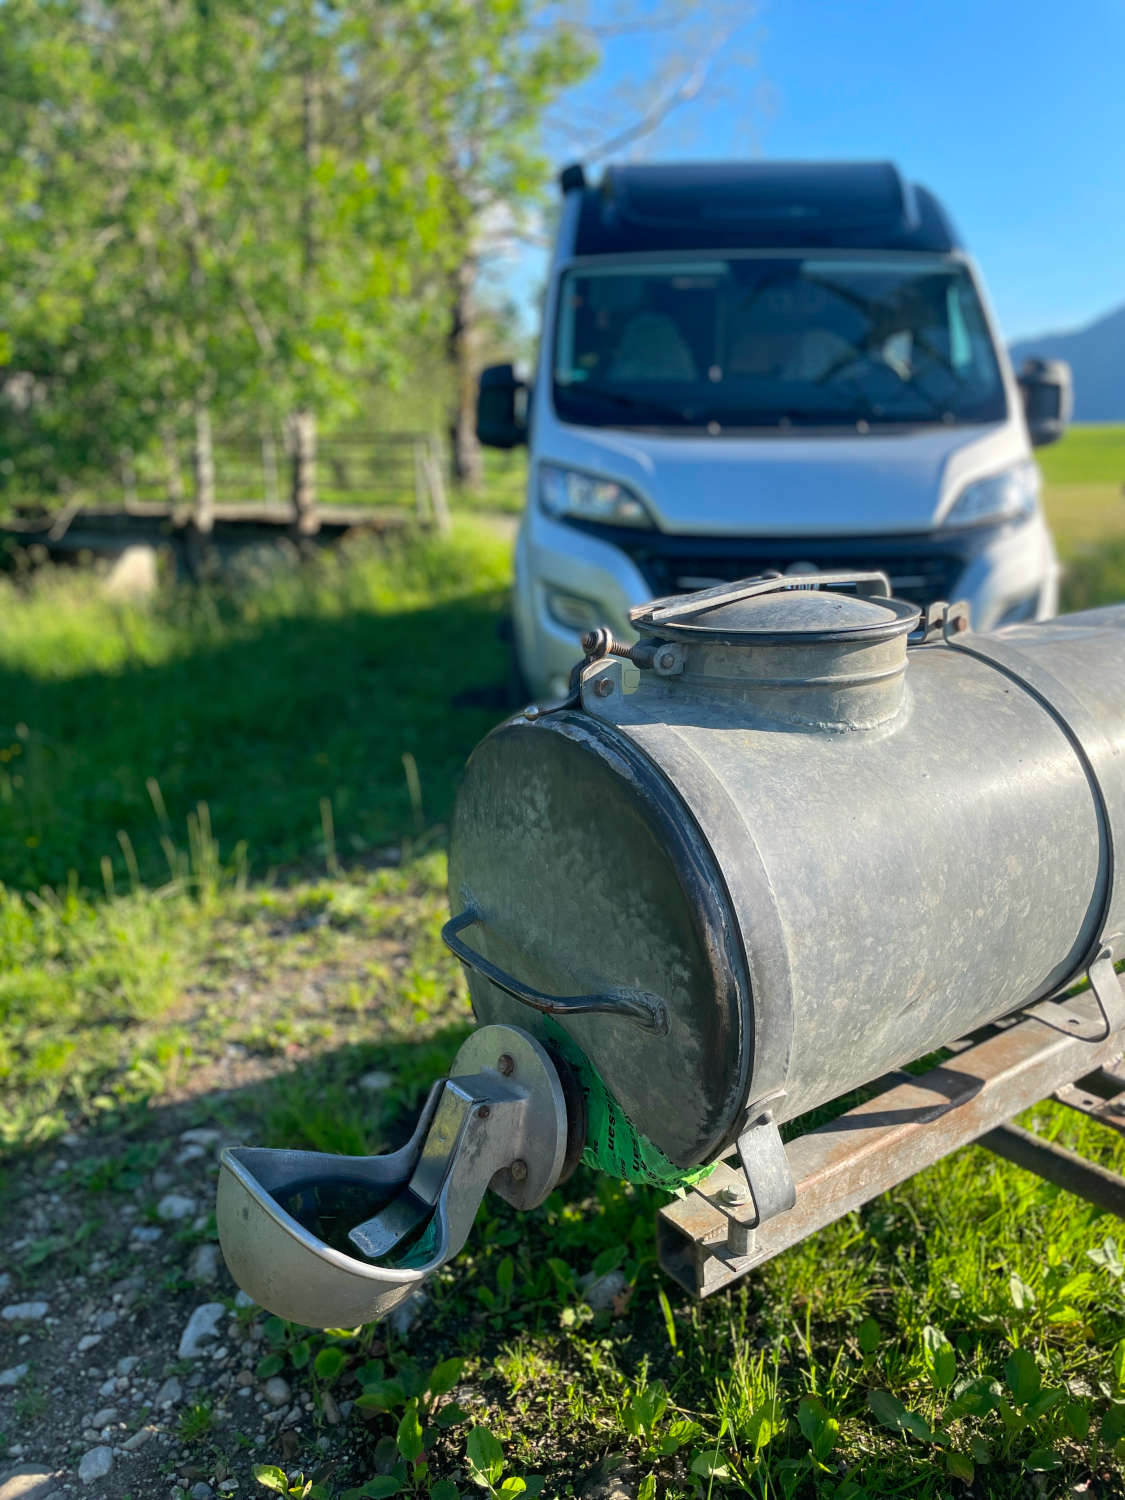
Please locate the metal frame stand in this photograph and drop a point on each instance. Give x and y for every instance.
(712, 1236)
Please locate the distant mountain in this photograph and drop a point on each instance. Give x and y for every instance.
(1096, 354)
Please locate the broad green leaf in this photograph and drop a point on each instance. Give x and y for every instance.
(445, 1376)
(409, 1434)
(763, 1424)
(450, 1414)
(513, 1485)
(328, 1363)
(382, 1395)
(711, 1466)
(562, 1272)
(444, 1489)
(974, 1397)
(381, 1487)
(608, 1261)
(485, 1455)
(1113, 1423)
(890, 1411)
(1077, 1419)
(960, 1466)
(268, 1366)
(676, 1435)
(1106, 1255)
(869, 1336)
(1119, 1365)
(1021, 1294)
(938, 1356)
(982, 1453)
(299, 1353)
(646, 1490)
(413, 1380)
(821, 1431)
(1039, 1460)
(1022, 1375)
(271, 1478)
(1044, 1402)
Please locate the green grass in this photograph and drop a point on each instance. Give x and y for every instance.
(211, 848)
(1092, 454)
(298, 689)
(1084, 495)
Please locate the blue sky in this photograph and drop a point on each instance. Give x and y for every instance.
(1013, 113)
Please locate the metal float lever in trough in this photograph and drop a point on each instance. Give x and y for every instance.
(334, 1241)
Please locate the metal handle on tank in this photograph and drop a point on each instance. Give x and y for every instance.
(638, 1006)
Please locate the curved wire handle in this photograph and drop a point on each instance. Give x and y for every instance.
(638, 1006)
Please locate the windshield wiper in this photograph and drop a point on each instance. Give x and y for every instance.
(634, 403)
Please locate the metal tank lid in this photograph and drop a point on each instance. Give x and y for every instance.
(782, 609)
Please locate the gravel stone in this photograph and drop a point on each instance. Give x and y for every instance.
(96, 1464)
(202, 1327)
(105, 1320)
(88, 1341)
(104, 1417)
(201, 1491)
(403, 1318)
(26, 1482)
(276, 1391)
(127, 1365)
(5, 1281)
(175, 1206)
(12, 1376)
(169, 1393)
(243, 1299)
(199, 1137)
(138, 1440)
(108, 1387)
(204, 1263)
(600, 1291)
(145, 1234)
(24, 1312)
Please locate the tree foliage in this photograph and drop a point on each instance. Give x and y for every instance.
(243, 208)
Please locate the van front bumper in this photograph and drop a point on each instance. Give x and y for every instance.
(1007, 574)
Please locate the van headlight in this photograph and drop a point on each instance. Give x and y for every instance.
(1011, 495)
(570, 492)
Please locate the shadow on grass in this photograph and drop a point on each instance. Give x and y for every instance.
(261, 726)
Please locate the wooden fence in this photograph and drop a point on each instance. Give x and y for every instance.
(398, 470)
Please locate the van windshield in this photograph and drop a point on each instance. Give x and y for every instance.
(744, 342)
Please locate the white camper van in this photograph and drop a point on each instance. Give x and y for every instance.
(767, 365)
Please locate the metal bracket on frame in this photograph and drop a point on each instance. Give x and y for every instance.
(761, 1152)
(1109, 996)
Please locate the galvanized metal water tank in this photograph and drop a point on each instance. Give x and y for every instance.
(798, 838)
(795, 837)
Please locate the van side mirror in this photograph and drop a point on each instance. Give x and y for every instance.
(501, 408)
(1048, 398)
